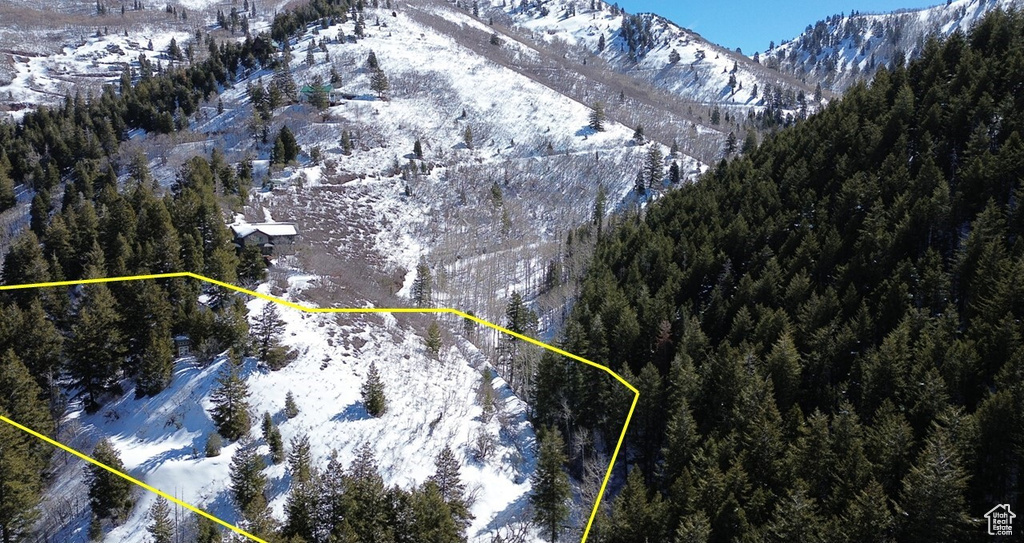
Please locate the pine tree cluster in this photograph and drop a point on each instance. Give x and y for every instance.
(824, 330)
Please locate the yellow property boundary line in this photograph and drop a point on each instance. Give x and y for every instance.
(293, 305)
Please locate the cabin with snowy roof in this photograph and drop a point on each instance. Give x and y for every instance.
(273, 238)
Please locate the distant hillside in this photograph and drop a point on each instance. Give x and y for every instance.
(651, 48)
(843, 49)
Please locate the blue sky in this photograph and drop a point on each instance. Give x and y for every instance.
(751, 24)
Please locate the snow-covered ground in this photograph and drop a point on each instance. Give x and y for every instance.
(431, 403)
(47, 79)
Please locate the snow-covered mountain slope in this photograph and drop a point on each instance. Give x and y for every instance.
(845, 48)
(431, 403)
(650, 48)
(529, 140)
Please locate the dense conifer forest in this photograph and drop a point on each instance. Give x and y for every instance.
(826, 332)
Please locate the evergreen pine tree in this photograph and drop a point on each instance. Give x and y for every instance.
(653, 168)
(550, 483)
(597, 117)
(161, 529)
(868, 517)
(20, 483)
(157, 360)
(7, 199)
(634, 515)
(448, 480)
(417, 149)
(319, 97)
(933, 493)
(303, 501)
(291, 410)
(273, 438)
(673, 173)
(379, 83)
(109, 494)
(265, 332)
(730, 144)
(796, 518)
(213, 445)
(432, 519)
(248, 483)
(638, 184)
(467, 137)
(97, 347)
(207, 531)
(368, 509)
(599, 208)
(252, 268)
(334, 501)
(22, 399)
(373, 393)
(277, 155)
(286, 149)
(434, 339)
(695, 528)
(422, 285)
(638, 135)
(230, 405)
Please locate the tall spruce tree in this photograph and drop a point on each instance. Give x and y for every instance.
(248, 483)
(291, 409)
(433, 341)
(432, 517)
(451, 489)
(97, 347)
(422, 286)
(22, 399)
(273, 438)
(374, 399)
(597, 117)
(161, 528)
(157, 362)
(653, 168)
(109, 495)
(368, 510)
(379, 84)
(21, 484)
(266, 332)
(207, 531)
(230, 403)
(551, 490)
(303, 501)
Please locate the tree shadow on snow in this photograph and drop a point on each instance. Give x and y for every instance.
(586, 131)
(519, 510)
(354, 411)
(183, 452)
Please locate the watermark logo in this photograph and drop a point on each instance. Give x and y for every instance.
(1000, 520)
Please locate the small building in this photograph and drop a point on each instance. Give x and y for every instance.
(334, 96)
(273, 238)
(182, 346)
